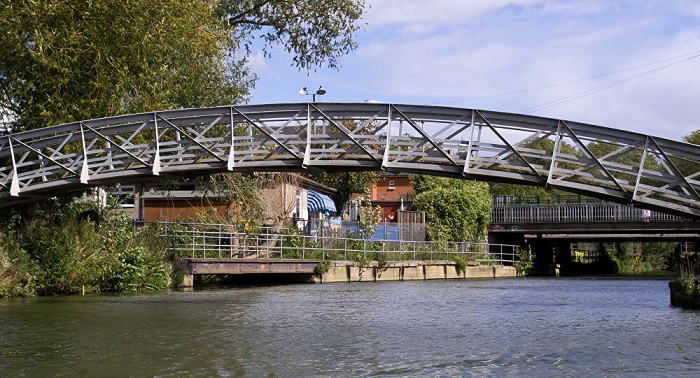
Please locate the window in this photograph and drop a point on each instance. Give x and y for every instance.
(124, 195)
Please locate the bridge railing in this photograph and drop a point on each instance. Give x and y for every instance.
(214, 241)
(461, 143)
(575, 213)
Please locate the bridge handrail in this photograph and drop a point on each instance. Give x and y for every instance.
(463, 143)
(218, 242)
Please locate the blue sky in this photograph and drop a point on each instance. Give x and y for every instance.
(631, 65)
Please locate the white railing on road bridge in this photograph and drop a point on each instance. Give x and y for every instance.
(196, 240)
(575, 213)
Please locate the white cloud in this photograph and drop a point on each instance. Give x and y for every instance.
(257, 62)
(405, 13)
(445, 51)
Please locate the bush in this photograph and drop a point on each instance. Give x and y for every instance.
(460, 264)
(17, 270)
(63, 256)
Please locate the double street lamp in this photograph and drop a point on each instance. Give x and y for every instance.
(305, 92)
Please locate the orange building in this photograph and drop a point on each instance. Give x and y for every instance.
(392, 192)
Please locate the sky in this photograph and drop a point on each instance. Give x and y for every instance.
(630, 65)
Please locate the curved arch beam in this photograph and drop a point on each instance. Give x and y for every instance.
(638, 169)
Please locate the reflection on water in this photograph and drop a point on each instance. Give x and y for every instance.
(504, 327)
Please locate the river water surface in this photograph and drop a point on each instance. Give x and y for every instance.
(501, 327)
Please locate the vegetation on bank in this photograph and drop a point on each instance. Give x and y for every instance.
(78, 249)
(455, 210)
(64, 61)
(685, 289)
(642, 257)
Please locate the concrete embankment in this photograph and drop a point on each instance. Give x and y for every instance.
(348, 271)
(338, 271)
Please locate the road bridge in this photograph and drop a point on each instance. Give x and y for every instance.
(554, 231)
(647, 171)
(588, 220)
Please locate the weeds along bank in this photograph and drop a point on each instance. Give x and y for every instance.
(74, 249)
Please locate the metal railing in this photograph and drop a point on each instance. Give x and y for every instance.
(220, 241)
(446, 141)
(577, 212)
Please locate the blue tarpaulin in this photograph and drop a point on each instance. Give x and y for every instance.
(319, 202)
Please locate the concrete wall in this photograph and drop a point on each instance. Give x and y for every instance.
(345, 271)
(349, 271)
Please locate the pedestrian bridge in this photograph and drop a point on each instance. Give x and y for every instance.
(625, 166)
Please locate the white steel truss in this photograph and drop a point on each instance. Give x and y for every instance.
(633, 168)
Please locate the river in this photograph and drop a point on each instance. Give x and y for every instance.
(498, 327)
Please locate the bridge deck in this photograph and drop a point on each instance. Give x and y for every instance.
(250, 266)
(604, 162)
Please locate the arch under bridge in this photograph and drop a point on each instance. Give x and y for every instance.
(643, 170)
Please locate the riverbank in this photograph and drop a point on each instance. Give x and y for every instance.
(681, 298)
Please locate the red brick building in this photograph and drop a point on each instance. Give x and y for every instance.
(393, 192)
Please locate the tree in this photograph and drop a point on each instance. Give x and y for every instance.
(69, 60)
(456, 210)
(62, 61)
(241, 191)
(280, 196)
(313, 31)
(369, 216)
(693, 138)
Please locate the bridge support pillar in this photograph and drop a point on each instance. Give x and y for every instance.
(187, 280)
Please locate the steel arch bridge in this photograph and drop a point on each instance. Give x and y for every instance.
(637, 169)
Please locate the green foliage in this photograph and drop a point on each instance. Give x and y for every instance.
(654, 256)
(624, 262)
(243, 191)
(657, 256)
(322, 268)
(456, 210)
(687, 269)
(312, 31)
(17, 270)
(460, 264)
(67, 255)
(362, 264)
(516, 190)
(62, 61)
(369, 217)
(524, 261)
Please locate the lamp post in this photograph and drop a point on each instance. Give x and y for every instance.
(305, 92)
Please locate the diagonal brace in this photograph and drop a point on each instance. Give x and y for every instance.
(510, 146)
(188, 136)
(99, 134)
(595, 160)
(267, 133)
(43, 155)
(426, 136)
(347, 133)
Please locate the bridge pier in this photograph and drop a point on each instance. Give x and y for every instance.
(187, 279)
